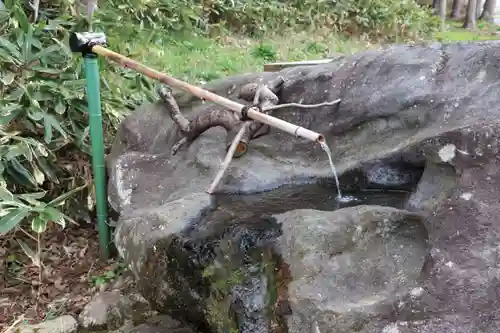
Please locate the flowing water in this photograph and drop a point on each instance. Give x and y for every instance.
(328, 152)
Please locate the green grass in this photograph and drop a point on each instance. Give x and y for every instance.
(198, 59)
(455, 32)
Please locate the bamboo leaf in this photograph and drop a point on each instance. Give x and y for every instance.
(9, 4)
(8, 108)
(8, 78)
(50, 120)
(32, 196)
(55, 216)
(62, 198)
(16, 94)
(39, 175)
(28, 41)
(47, 130)
(53, 49)
(45, 70)
(12, 219)
(17, 150)
(13, 49)
(9, 112)
(17, 170)
(22, 18)
(48, 170)
(6, 195)
(60, 108)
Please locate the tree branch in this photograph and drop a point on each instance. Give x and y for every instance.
(300, 106)
(264, 96)
(192, 129)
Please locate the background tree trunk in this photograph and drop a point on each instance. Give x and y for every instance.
(479, 6)
(442, 14)
(456, 9)
(470, 18)
(435, 6)
(488, 10)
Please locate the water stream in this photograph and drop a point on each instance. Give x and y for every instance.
(328, 152)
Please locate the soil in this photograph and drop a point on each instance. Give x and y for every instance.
(71, 273)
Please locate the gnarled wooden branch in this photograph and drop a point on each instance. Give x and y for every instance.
(192, 129)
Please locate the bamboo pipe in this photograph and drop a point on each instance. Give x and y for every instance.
(253, 112)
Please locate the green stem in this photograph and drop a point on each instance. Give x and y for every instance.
(97, 143)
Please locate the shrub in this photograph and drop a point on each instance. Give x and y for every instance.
(40, 117)
(44, 134)
(376, 18)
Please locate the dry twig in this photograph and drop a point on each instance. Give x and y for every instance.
(245, 132)
(229, 156)
(300, 106)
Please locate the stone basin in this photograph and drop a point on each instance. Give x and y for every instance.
(273, 251)
(264, 262)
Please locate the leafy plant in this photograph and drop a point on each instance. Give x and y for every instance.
(15, 208)
(40, 116)
(265, 52)
(377, 18)
(44, 133)
(108, 275)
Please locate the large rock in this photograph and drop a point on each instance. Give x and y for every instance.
(423, 118)
(349, 266)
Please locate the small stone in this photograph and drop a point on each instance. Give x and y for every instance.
(107, 310)
(63, 324)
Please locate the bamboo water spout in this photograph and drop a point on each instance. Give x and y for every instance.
(252, 112)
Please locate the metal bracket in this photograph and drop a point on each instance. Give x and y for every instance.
(84, 42)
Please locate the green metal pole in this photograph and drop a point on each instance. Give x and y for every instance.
(97, 143)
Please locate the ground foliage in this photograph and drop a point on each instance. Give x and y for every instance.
(378, 18)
